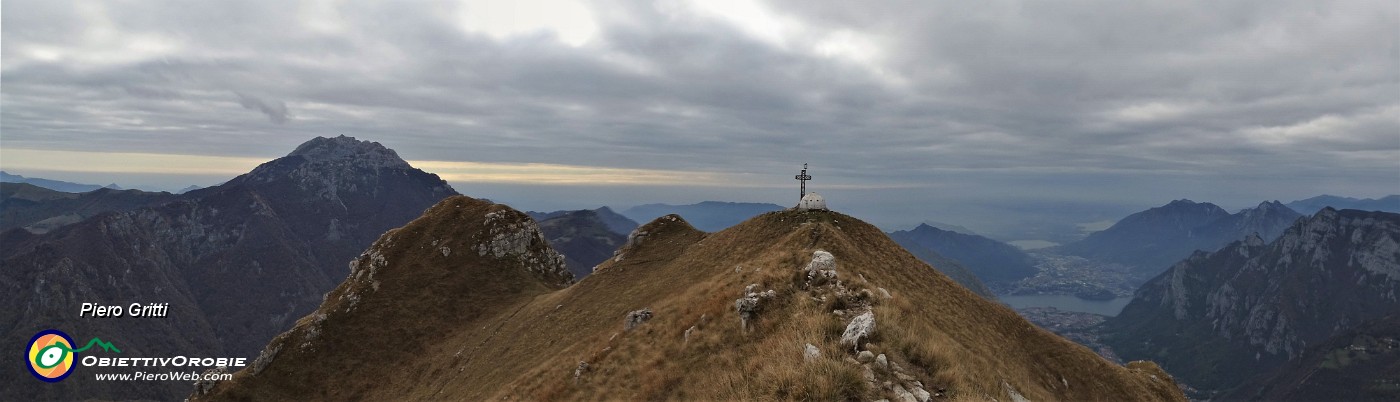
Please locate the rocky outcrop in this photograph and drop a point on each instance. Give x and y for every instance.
(512, 234)
(859, 328)
(822, 269)
(748, 306)
(580, 370)
(208, 379)
(635, 318)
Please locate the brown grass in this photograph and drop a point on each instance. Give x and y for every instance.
(526, 343)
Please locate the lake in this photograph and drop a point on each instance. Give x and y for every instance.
(1068, 303)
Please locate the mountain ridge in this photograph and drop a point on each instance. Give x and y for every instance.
(1152, 240)
(56, 185)
(1253, 305)
(1389, 203)
(659, 321)
(995, 263)
(39, 210)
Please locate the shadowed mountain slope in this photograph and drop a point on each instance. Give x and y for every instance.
(583, 237)
(1216, 318)
(1359, 364)
(238, 262)
(995, 263)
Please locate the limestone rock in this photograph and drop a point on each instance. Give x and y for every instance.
(860, 327)
(822, 268)
(882, 362)
(578, 371)
(917, 389)
(635, 318)
(1011, 392)
(810, 353)
(749, 305)
(865, 356)
(903, 395)
(204, 384)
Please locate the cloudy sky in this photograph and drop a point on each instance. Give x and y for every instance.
(902, 108)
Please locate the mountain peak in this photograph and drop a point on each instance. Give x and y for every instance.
(344, 147)
(1186, 205)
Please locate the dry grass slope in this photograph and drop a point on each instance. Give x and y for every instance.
(478, 328)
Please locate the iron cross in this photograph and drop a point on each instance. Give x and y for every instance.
(803, 177)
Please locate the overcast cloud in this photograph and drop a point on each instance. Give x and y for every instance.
(898, 105)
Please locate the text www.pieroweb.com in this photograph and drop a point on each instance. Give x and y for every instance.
(166, 376)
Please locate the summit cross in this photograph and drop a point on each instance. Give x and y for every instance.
(803, 177)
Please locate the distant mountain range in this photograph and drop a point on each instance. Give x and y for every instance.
(1389, 203)
(995, 263)
(238, 263)
(1216, 318)
(1154, 239)
(56, 185)
(39, 210)
(709, 216)
(615, 222)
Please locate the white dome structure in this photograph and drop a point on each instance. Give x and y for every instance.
(811, 201)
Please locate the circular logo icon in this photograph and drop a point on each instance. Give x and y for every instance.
(51, 355)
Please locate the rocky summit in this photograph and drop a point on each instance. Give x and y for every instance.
(238, 263)
(468, 302)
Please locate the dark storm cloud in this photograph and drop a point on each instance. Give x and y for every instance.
(987, 98)
(276, 111)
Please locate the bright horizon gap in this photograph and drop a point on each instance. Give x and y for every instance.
(20, 159)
